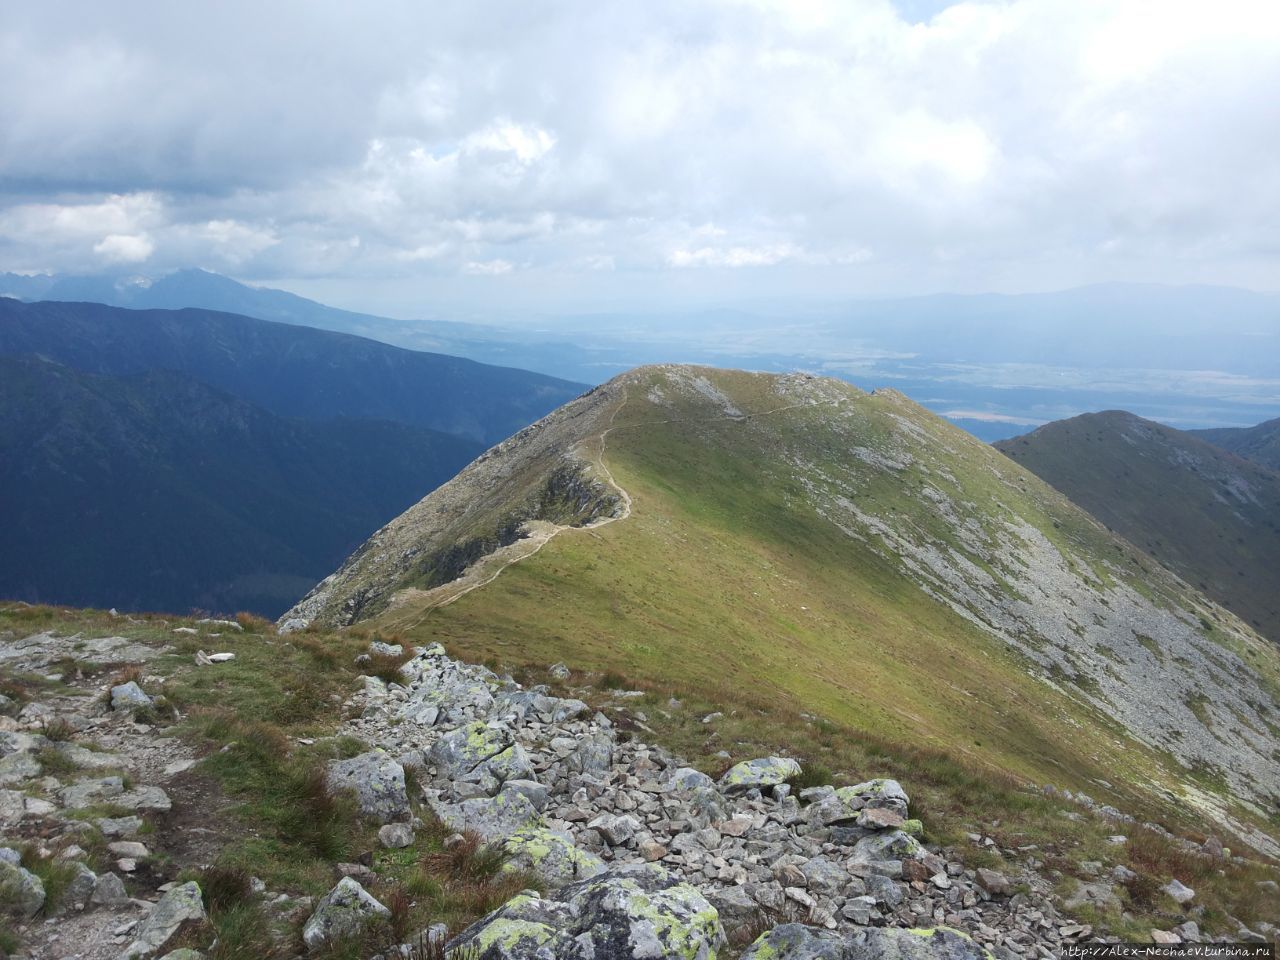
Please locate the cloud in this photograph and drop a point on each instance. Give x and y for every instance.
(820, 147)
(124, 248)
(487, 268)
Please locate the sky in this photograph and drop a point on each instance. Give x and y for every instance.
(388, 156)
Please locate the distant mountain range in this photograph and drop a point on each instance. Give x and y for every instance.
(1261, 444)
(176, 459)
(1205, 513)
(996, 364)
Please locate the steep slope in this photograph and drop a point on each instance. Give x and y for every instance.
(291, 371)
(157, 492)
(1261, 444)
(761, 540)
(1209, 516)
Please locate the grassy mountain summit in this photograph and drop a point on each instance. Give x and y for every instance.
(792, 542)
(1261, 443)
(1208, 515)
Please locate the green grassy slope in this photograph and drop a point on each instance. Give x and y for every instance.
(1210, 516)
(797, 547)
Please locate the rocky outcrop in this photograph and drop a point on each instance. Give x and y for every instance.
(840, 857)
(179, 907)
(629, 912)
(345, 910)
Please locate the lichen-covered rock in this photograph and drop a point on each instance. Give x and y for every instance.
(887, 845)
(345, 910)
(378, 782)
(448, 697)
(523, 928)
(551, 855)
(395, 836)
(493, 818)
(896, 943)
(179, 907)
(129, 696)
(794, 941)
(460, 752)
(17, 767)
(687, 778)
(844, 806)
(629, 913)
(759, 774)
(21, 891)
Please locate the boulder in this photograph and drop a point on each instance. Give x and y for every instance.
(687, 778)
(179, 907)
(79, 889)
(109, 891)
(793, 941)
(887, 845)
(493, 818)
(17, 767)
(461, 752)
(759, 774)
(845, 806)
(1180, 893)
(896, 943)
(395, 836)
(551, 855)
(629, 913)
(23, 891)
(87, 793)
(344, 911)
(617, 831)
(129, 696)
(593, 755)
(378, 782)
(734, 905)
(995, 883)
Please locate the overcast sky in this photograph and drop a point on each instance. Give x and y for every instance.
(398, 156)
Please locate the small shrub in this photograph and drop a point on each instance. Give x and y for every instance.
(812, 774)
(225, 887)
(57, 729)
(386, 666)
(252, 623)
(612, 680)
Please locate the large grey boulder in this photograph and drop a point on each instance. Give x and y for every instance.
(629, 913)
(88, 793)
(23, 892)
(845, 806)
(344, 911)
(129, 696)
(79, 889)
(109, 891)
(17, 767)
(378, 782)
(794, 941)
(897, 943)
(759, 774)
(493, 818)
(592, 756)
(180, 906)
(550, 854)
(887, 845)
(458, 753)
(450, 698)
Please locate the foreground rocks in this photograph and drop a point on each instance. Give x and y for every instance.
(609, 823)
(630, 911)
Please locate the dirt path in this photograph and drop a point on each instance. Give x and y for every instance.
(540, 532)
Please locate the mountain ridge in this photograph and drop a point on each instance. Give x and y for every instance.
(1259, 443)
(294, 371)
(1209, 515)
(896, 515)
